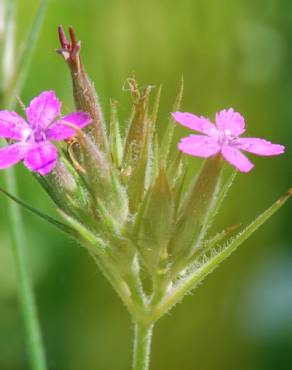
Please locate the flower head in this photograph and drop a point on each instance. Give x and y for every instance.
(223, 137)
(32, 138)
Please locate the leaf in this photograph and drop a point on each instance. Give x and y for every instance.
(176, 169)
(168, 135)
(59, 225)
(155, 108)
(155, 159)
(211, 243)
(191, 281)
(178, 189)
(94, 242)
(115, 140)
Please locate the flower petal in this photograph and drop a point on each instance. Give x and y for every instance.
(12, 126)
(43, 109)
(41, 157)
(200, 124)
(59, 130)
(199, 146)
(236, 158)
(259, 146)
(12, 154)
(230, 122)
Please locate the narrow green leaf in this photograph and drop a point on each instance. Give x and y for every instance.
(155, 158)
(92, 241)
(59, 225)
(178, 190)
(208, 265)
(115, 140)
(176, 169)
(168, 135)
(211, 243)
(155, 108)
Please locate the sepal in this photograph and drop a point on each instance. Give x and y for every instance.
(115, 139)
(101, 180)
(195, 209)
(138, 128)
(156, 221)
(85, 95)
(169, 132)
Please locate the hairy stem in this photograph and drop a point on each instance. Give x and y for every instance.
(142, 346)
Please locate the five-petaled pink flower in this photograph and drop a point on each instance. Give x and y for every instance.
(31, 141)
(223, 137)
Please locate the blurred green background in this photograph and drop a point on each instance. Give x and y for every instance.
(231, 53)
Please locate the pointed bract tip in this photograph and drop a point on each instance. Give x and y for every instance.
(285, 196)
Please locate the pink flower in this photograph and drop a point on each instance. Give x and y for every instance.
(32, 138)
(223, 137)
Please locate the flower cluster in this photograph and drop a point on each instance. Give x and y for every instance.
(128, 198)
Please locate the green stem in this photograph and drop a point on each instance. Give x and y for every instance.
(142, 346)
(27, 301)
(9, 73)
